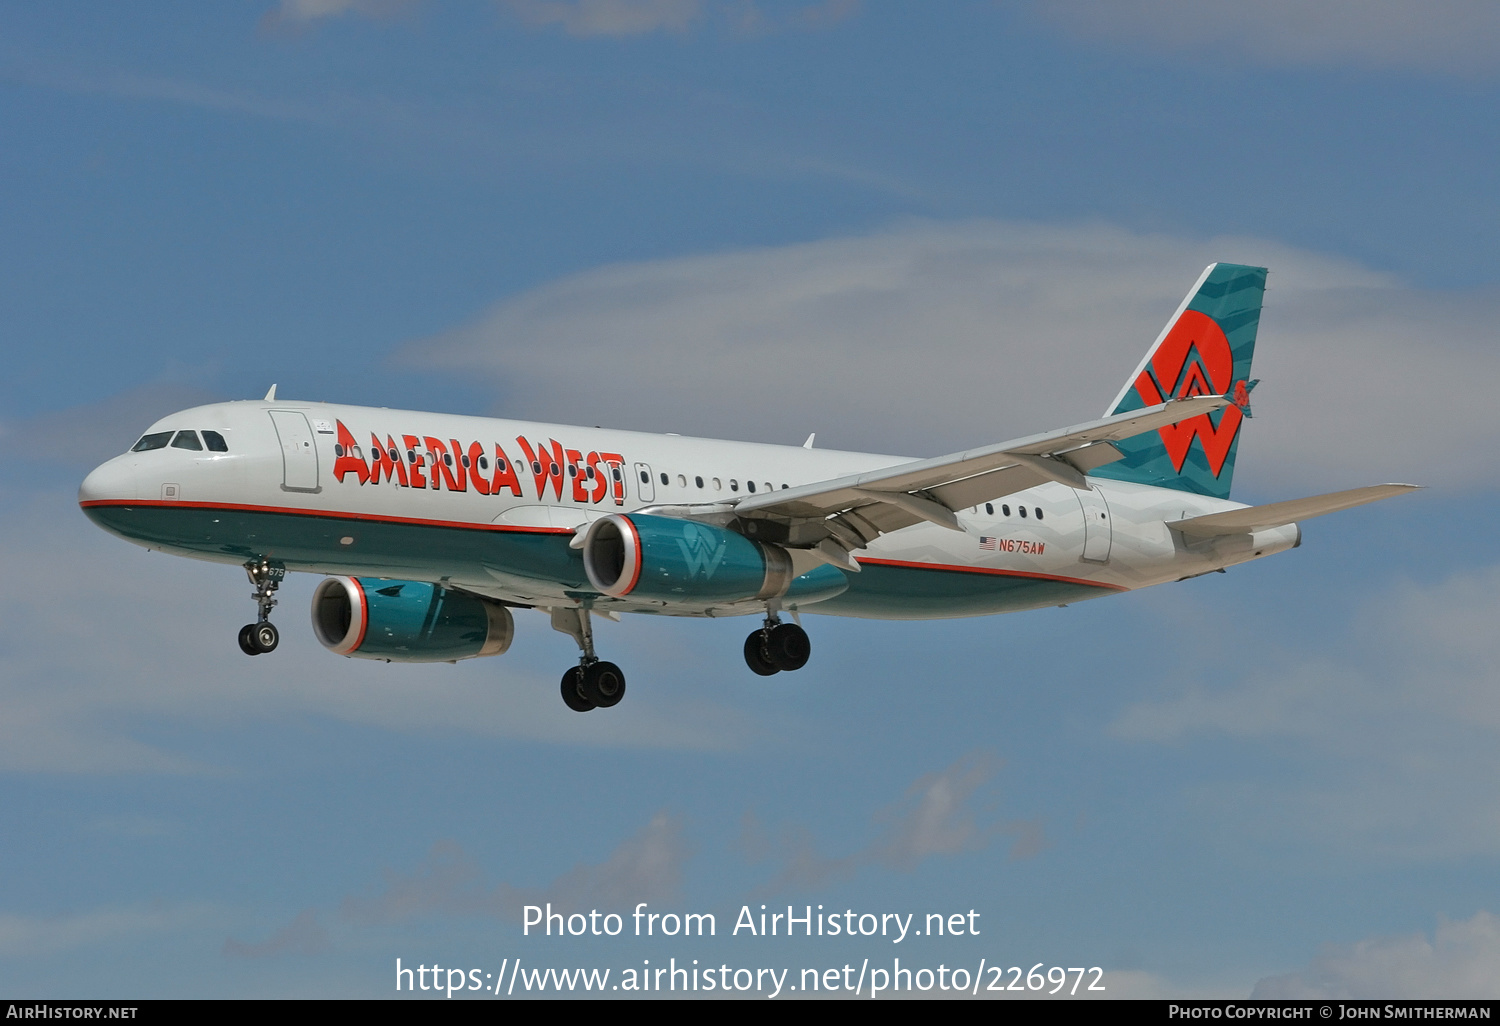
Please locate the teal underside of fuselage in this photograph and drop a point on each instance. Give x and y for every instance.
(432, 552)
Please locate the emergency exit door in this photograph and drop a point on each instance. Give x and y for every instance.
(1097, 532)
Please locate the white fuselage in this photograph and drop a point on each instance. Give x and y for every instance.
(489, 505)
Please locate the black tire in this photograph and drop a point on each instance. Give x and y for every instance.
(571, 696)
(603, 684)
(247, 640)
(788, 646)
(755, 655)
(265, 636)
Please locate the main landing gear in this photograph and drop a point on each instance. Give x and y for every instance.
(262, 635)
(777, 646)
(593, 683)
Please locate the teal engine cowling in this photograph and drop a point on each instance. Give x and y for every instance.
(407, 621)
(663, 558)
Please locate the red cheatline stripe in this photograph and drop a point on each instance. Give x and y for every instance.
(380, 518)
(330, 514)
(864, 561)
(364, 615)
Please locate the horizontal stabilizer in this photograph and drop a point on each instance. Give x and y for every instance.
(1278, 514)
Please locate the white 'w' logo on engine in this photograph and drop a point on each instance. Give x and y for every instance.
(699, 551)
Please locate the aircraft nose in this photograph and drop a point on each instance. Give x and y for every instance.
(112, 480)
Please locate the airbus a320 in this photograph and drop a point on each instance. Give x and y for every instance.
(431, 528)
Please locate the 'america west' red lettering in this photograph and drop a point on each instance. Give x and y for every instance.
(451, 466)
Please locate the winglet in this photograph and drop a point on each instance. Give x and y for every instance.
(1239, 395)
(270, 395)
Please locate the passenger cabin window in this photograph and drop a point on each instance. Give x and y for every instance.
(734, 485)
(1022, 509)
(750, 485)
(187, 440)
(148, 442)
(1005, 509)
(645, 478)
(989, 509)
(1039, 512)
(664, 479)
(698, 481)
(215, 442)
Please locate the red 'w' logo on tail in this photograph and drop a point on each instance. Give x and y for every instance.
(1171, 375)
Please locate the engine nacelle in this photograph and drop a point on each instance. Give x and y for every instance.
(664, 558)
(407, 621)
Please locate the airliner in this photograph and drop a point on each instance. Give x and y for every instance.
(431, 528)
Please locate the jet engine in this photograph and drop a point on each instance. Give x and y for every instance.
(664, 558)
(407, 621)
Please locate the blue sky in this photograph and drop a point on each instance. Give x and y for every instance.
(909, 228)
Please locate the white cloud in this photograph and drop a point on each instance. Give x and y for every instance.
(1400, 713)
(302, 936)
(935, 816)
(22, 936)
(932, 336)
(1448, 36)
(1460, 961)
(609, 17)
(83, 437)
(647, 866)
(296, 13)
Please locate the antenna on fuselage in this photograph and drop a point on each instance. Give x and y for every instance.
(808, 444)
(271, 395)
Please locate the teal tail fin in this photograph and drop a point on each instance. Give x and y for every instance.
(1205, 350)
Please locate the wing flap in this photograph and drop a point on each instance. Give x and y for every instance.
(1279, 514)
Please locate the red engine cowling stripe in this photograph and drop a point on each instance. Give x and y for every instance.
(364, 615)
(632, 550)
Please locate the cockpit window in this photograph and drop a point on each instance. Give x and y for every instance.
(215, 442)
(158, 440)
(187, 440)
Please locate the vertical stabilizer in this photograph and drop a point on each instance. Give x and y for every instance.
(1205, 349)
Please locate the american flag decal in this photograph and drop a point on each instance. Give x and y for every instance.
(987, 543)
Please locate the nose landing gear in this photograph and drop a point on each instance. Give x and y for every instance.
(262, 635)
(593, 683)
(777, 646)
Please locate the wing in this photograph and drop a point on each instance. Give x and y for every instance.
(833, 518)
(1278, 514)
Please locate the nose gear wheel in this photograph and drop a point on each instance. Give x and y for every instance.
(262, 635)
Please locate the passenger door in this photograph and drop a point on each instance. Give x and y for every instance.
(299, 457)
